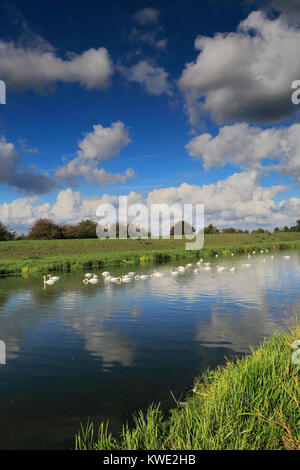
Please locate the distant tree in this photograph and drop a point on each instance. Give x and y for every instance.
(45, 229)
(230, 230)
(276, 229)
(5, 233)
(258, 230)
(21, 236)
(210, 229)
(286, 228)
(296, 228)
(87, 229)
(182, 228)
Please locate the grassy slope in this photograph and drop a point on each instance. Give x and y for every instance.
(61, 255)
(251, 404)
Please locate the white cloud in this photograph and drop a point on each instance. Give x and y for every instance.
(245, 75)
(104, 142)
(38, 67)
(151, 77)
(243, 144)
(25, 179)
(238, 200)
(146, 16)
(100, 145)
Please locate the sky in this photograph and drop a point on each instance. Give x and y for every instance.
(166, 102)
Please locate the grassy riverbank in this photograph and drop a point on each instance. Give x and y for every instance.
(251, 404)
(26, 256)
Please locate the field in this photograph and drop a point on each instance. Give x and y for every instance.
(26, 256)
(252, 404)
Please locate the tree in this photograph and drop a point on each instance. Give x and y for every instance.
(210, 229)
(45, 229)
(182, 228)
(5, 233)
(276, 230)
(230, 230)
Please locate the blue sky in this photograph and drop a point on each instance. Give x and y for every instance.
(74, 69)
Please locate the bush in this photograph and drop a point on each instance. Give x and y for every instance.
(45, 229)
(5, 233)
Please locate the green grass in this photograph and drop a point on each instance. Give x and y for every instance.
(251, 404)
(25, 256)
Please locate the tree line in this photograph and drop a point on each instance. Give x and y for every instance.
(46, 229)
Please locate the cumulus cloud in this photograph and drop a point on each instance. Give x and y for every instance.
(146, 16)
(290, 9)
(25, 179)
(238, 200)
(243, 144)
(99, 145)
(245, 75)
(39, 67)
(104, 142)
(152, 78)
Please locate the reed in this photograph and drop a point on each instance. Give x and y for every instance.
(250, 404)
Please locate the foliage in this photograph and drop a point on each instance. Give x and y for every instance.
(44, 229)
(5, 233)
(251, 404)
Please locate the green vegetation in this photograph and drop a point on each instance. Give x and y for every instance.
(26, 256)
(5, 233)
(252, 404)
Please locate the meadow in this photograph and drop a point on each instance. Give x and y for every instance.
(29, 256)
(250, 404)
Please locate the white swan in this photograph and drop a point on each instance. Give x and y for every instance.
(157, 274)
(117, 280)
(54, 278)
(232, 270)
(90, 281)
(181, 269)
(105, 273)
(287, 257)
(88, 275)
(220, 268)
(50, 282)
(174, 273)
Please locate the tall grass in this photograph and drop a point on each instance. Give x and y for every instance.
(250, 404)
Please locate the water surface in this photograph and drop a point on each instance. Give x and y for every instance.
(104, 351)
